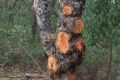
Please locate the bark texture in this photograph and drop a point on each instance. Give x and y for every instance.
(42, 9)
(67, 50)
(70, 46)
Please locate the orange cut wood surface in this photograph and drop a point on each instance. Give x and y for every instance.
(79, 45)
(52, 65)
(67, 10)
(63, 42)
(78, 25)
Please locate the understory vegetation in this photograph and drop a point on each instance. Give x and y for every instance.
(101, 34)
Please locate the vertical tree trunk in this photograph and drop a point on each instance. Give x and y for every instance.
(43, 13)
(69, 44)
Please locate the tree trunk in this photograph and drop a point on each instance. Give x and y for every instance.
(69, 48)
(69, 42)
(43, 13)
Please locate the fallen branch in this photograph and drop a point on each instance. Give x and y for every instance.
(11, 76)
(39, 68)
(34, 75)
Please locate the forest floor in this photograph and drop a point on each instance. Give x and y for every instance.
(118, 74)
(12, 73)
(19, 73)
(22, 72)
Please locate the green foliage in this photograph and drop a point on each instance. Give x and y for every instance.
(102, 30)
(15, 33)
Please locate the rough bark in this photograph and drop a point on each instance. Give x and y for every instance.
(42, 10)
(69, 44)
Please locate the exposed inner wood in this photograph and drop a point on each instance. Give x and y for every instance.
(63, 42)
(78, 25)
(67, 10)
(79, 45)
(72, 76)
(52, 65)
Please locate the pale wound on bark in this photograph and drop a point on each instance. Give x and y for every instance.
(67, 10)
(35, 5)
(63, 42)
(52, 65)
(79, 45)
(78, 25)
(51, 38)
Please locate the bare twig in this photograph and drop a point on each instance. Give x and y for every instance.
(27, 4)
(11, 76)
(110, 63)
(35, 75)
(34, 60)
(39, 68)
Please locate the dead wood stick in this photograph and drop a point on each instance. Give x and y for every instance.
(33, 59)
(35, 75)
(39, 68)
